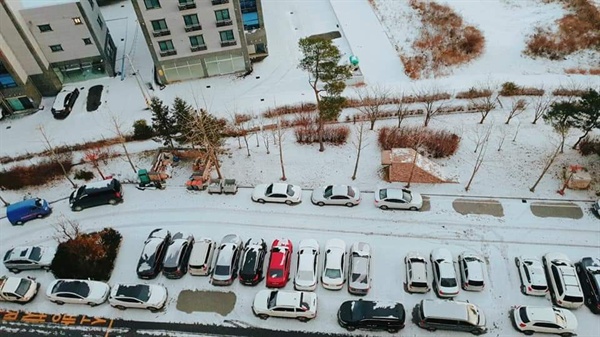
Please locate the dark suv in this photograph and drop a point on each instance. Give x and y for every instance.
(588, 270)
(253, 260)
(155, 246)
(369, 315)
(103, 192)
(177, 257)
(64, 102)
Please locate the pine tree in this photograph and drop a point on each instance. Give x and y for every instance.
(587, 117)
(163, 122)
(182, 113)
(560, 116)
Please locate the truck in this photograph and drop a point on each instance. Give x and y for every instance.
(18, 289)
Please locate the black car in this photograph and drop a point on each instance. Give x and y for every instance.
(588, 270)
(175, 264)
(64, 102)
(253, 258)
(155, 246)
(370, 315)
(103, 192)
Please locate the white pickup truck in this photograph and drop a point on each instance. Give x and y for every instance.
(18, 289)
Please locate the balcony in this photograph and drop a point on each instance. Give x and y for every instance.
(198, 48)
(228, 43)
(193, 28)
(224, 23)
(163, 32)
(168, 52)
(219, 2)
(186, 5)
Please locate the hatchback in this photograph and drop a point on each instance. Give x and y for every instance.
(359, 269)
(64, 102)
(153, 253)
(280, 263)
(228, 258)
(177, 257)
(308, 264)
(201, 257)
(531, 273)
(252, 263)
(588, 270)
(529, 319)
(444, 276)
(471, 268)
(416, 273)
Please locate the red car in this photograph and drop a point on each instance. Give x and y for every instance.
(278, 273)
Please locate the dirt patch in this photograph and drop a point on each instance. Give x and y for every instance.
(426, 205)
(206, 301)
(473, 206)
(566, 210)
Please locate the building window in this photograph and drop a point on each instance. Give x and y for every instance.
(100, 22)
(186, 4)
(152, 4)
(166, 48)
(56, 47)
(197, 43)
(6, 79)
(91, 3)
(222, 15)
(191, 20)
(87, 41)
(248, 6)
(159, 25)
(77, 21)
(45, 28)
(227, 38)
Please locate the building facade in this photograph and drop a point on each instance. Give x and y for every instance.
(201, 38)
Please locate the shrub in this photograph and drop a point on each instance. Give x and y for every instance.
(569, 92)
(437, 144)
(512, 89)
(34, 175)
(141, 130)
(333, 134)
(589, 145)
(290, 109)
(84, 175)
(241, 118)
(474, 93)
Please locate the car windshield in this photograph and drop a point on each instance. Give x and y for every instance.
(351, 192)
(23, 286)
(360, 278)
(474, 316)
(221, 270)
(333, 273)
(328, 191)
(35, 254)
(77, 287)
(523, 315)
(272, 301)
(382, 194)
(249, 263)
(448, 282)
(139, 291)
(290, 190)
(406, 196)
(305, 275)
(276, 273)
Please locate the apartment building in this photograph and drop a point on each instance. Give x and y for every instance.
(201, 38)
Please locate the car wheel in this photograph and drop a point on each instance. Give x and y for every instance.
(19, 223)
(477, 332)
(77, 208)
(567, 334)
(350, 328)
(154, 309)
(263, 316)
(431, 329)
(517, 262)
(261, 201)
(350, 204)
(413, 209)
(39, 216)
(112, 201)
(46, 268)
(303, 319)
(14, 270)
(288, 202)
(120, 307)
(392, 330)
(384, 207)
(523, 290)
(528, 332)
(59, 302)
(320, 203)
(92, 304)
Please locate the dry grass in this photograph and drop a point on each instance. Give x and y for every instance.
(512, 89)
(437, 143)
(578, 30)
(444, 41)
(569, 92)
(303, 107)
(589, 145)
(474, 93)
(581, 71)
(332, 134)
(34, 175)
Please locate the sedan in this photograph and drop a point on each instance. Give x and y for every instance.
(359, 269)
(253, 260)
(286, 304)
(392, 198)
(471, 268)
(28, 257)
(444, 275)
(308, 264)
(178, 255)
(151, 259)
(533, 278)
(342, 195)
(277, 192)
(141, 296)
(280, 262)
(77, 292)
(333, 276)
(228, 258)
(416, 273)
(529, 319)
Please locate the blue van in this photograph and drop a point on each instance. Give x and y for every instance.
(23, 211)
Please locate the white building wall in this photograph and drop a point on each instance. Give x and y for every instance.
(93, 14)
(15, 50)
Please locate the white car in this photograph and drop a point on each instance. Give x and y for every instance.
(342, 195)
(277, 192)
(359, 269)
(228, 260)
(444, 275)
(531, 273)
(471, 268)
(416, 273)
(565, 288)
(29, 257)
(308, 264)
(286, 304)
(142, 296)
(18, 289)
(394, 198)
(529, 319)
(333, 276)
(77, 292)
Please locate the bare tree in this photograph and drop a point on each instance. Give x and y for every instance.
(265, 137)
(540, 105)
(358, 143)
(501, 138)
(95, 155)
(401, 109)
(431, 102)
(517, 107)
(480, 156)
(549, 161)
(280, 135)
(480, 137)
(50, 148)
(66, 230)
(240, 126)
(416, 147)
(371, 100)
(122, 140)
(484, 104)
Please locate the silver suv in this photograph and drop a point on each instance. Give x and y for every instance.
(565, 288)
(228, 258)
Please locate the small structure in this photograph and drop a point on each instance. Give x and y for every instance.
(399, 163)
(577, 177)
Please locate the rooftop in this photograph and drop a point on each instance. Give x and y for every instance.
(27, 4)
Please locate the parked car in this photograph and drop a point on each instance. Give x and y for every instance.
(20, 212)
(333, 276)
(18, 289)
(565, 288)
(280, 263)
(342, 195)
(140, 296)
(444, 276)
(471, 268)
(228, 258)
(153, 253)
(529, 319)
(359, 269)
(286, 304)
(596, 207)
(64, 102)
(371, 315)
(308, 264)
(277, 192)
(22, 258)
(77, 292)
(531, 273)
(393, 198)
(416, 273)
(103, 192)
(449, 315)
(253, 261)
(201, 258)
(177, 257)
(588, 270)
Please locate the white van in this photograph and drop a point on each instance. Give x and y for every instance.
(202, 257)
